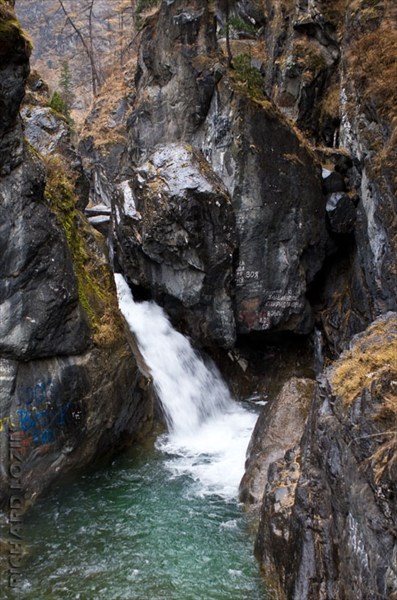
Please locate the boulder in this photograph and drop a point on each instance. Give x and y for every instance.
(279, 428)
(46, 130)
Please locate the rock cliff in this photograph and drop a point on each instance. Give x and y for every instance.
(70, 387)
(184, 94)
(245, 163)
(328, 518)
(284, 102)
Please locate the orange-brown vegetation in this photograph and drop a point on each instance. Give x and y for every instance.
(372, 363)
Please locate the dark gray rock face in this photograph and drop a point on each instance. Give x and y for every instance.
(303, 54)
(66, 412)
(176, 76)
(319, 56)
(175, 234)
(332, 535)
(39, 306)
(276, 192)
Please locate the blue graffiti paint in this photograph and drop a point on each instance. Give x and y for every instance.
(42, 424)
(40, 393)
(27, 420)
(43, 416)
(36, 394)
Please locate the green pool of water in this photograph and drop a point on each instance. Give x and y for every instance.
(132, 531)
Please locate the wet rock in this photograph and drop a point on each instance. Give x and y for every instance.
(280, 427)
(175, 235)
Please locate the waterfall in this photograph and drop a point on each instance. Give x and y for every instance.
(208, 432)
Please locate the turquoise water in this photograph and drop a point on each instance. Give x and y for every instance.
(134, 531)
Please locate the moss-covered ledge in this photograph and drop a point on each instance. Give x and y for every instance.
(87, 247)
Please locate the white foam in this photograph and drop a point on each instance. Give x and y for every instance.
(208, 431)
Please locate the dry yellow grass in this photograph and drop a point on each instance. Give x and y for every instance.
(385, 457)
(372, 363)
(100, 125)
(370, 356)
(373, 68)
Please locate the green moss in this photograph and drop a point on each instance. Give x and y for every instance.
(32, 150)
(96, 289)
(10, 30)
(61, 197)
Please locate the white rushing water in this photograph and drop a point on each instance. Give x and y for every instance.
(208, 431)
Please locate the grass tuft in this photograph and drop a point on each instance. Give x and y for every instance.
(372, 363)
(373, 353)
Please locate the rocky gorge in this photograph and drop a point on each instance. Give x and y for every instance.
(242, 164)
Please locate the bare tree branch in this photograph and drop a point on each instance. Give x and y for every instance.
(95, 76)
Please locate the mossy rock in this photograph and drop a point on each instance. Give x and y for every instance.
(15, 46)
(97, 294)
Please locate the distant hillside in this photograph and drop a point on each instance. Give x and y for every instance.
(103, 43)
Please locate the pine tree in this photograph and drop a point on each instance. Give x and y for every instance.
(65, 85)
(62, 99)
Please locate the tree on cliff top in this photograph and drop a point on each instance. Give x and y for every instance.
(224, 7)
